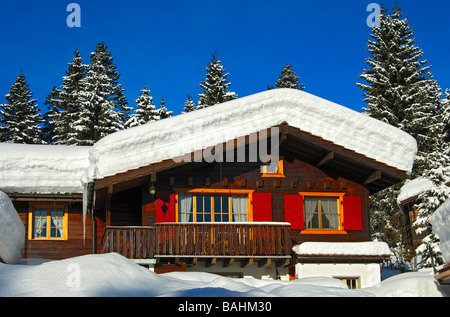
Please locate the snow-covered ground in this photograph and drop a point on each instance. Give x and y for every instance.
(114, 275)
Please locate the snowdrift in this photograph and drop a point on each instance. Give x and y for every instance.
(111, 274)
(12, 231)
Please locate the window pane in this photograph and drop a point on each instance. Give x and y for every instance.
(311, 213)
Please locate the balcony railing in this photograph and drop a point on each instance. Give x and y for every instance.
(199, 239)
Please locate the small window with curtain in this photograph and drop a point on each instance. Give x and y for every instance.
(321, 213)
(212, 208)
(48, 222)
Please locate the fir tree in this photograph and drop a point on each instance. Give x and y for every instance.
(65, 129)
(103, 107)
(20, 118)
(397, 72)
(401, 91)
(288, 79)
(189, 104)
(163, 113)
(52, 117)
(215, 86)
(145, 110)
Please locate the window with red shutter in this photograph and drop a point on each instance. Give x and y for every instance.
(262, 207)
(165, 206)
(293, 211)
(352, 213)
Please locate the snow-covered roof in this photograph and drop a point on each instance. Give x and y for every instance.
(42, 169)
(371, 248)
(440, 222)
(413, 188)
(65, 169)
(186, 133)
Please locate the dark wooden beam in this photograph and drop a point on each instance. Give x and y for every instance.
(228, 262)
(264, 262)
(210, 262)
(326, 159)
(246, 262)
(376, 175)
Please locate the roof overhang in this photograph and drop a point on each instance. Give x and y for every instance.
(333, 159)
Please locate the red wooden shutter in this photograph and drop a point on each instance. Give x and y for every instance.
(262, 207)
(352, 213)
(165, 206)
(293, 211)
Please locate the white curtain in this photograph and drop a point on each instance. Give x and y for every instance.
(185, 208)
(239, 208)
(235, 208)
(189, 213)
(311, 213)
(329, 213)
(243, 203)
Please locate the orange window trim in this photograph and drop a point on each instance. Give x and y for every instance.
(279, 173)
(212, 191)
(340, 197)
(48, 206)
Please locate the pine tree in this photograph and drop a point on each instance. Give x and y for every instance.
(52, 117)
(397, 74)
(20, 118)
(103, 107)
(215, 86)
(163, 113)
(189, 104)
(288, 79)
(401, 91)
(145, 110)
(66, 131)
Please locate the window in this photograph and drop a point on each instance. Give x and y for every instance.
(48, 222)
(272, 169)
(202, 207)
(352, 282)
(322, 213)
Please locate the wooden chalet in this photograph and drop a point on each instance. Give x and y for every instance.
(237, 218)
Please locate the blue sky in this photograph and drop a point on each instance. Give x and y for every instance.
(168, 44)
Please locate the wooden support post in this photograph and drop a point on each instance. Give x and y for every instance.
(210, 262)
(246, 262)
(264, 262)
(108, 205)
(228, 262)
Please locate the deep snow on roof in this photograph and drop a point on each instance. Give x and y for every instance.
(200, 129)
(42, 169)
(64, 169)
(370, 248)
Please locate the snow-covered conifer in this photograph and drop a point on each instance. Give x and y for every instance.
(145, 110)
(215, 86)
(20, 118)
(189, 104)
(163, 112)
(288, 79)
(103, 107)
(69, 104)
(52, 117)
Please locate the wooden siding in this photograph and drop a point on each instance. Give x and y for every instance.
(78, 243)
(299, 177)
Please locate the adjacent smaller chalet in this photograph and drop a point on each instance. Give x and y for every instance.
(241, 189)
(440, 221)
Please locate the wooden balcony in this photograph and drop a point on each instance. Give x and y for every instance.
(208, 241)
